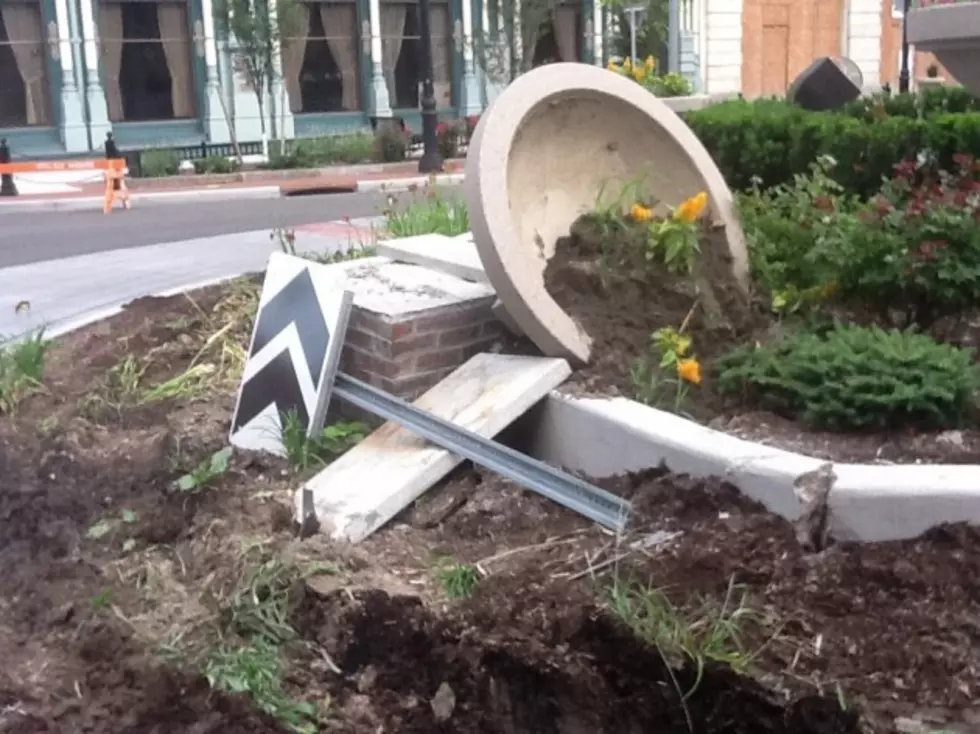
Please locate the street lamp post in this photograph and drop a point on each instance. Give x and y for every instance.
(431, 161)
(903, 74)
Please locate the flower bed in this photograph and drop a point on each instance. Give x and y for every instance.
(855, 342)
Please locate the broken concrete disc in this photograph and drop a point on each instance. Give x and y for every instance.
(538, 160)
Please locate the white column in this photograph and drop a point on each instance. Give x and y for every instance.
(215, 124)
(472, 104)
(380, 98)
(598, 50)
(74, 134)
(284, 116)
(98, 120)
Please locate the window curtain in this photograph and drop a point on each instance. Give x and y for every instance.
(23, 24)
(293, 53)
(175, 37)
(442, 53)
(110, 33)
(566, 36)
(340, 25)
(392, 34)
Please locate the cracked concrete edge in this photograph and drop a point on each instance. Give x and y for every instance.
(868, 502)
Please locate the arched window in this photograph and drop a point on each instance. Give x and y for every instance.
(147, 66)
(24, 95)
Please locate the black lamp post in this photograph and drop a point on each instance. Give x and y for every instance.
(7, 185)
(431, 161)
(903, 74)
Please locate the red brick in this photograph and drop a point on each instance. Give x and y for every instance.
(441, 359)
(470, 350)
(461, 335)
(410, 388)
(409, 345)
(354, 359)
(362, 340)
(455, 316)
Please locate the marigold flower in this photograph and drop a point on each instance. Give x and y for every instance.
(627, 63)
(691, 209)
(612, 66)
(689, 370)
(639, 73)
(640, 213)
(650, 64)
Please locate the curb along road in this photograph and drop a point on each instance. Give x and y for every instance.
(228, 193)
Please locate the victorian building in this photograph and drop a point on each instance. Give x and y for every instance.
(159, 73)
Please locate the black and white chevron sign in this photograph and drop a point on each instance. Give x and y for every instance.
(295, 351)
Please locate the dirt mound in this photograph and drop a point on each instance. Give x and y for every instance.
(116, 690)
(563, 670)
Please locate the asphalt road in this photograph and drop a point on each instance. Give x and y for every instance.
(28, 237)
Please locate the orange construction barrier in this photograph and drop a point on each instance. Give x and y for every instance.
(115, 174)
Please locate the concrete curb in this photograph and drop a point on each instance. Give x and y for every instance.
(868, 503)
(87, 203)
(396, 185)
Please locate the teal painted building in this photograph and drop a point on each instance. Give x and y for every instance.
(156, 72)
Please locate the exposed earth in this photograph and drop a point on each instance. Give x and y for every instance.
(620, 303)
(484, 608)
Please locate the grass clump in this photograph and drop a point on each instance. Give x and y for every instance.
(432, 212)
(458, 580)
(21, 369)
(702, 632)
(305, 452)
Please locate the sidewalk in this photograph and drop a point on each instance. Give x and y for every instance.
(237, 186)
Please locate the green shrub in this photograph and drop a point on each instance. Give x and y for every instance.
(216, 164)
(853, 377)
(768, 142)
(914, 249)
(926, 103)
(390, 143)
(159, 163)
(325, 151)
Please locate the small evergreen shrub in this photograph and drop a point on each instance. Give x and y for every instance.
(853, 377)
(391, 143)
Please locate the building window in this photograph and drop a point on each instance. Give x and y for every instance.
(146, 60)
(321, 59)
(24, 94)
(400, 53)
(558, 38)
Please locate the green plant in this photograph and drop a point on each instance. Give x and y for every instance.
(159, 163)
(390, 143)
(329, 150)
(665, 376)
(766, 142)
(256, 670)
(287, 243)
(430, 213)
(449, 136)
(785, 227)
(21, 369)
(304, 451)
(853, 377)
(915, 248)
(458, 579)
(205, 472)
(701, 631)
(216, 164)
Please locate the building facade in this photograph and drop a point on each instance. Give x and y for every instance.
(158, 73)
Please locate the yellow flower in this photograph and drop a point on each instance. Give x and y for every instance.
(612, 66)
(649, 64)
(689, 370)
(640, 213)
(628, 64)
(639, 73)
(691, 209)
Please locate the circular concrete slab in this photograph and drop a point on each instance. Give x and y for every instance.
(538, 160)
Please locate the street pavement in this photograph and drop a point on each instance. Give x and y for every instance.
(72, 291)
(30, 237)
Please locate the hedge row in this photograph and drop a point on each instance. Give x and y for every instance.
(770, 141)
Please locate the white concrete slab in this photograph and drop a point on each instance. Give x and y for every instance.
(373, 482)
(453, 255)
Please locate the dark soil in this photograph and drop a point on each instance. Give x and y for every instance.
(620, 303)
(889, 628)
